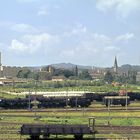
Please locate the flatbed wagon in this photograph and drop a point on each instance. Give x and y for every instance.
(36, 130)
(116, 100)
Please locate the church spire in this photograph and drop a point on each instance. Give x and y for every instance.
(1, 67)
(115, 65)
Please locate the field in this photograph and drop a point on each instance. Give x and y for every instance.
(69, 85)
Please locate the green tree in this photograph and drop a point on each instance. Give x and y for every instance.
(108, 77)
(25, 73)
(84, 75)
(63, 72)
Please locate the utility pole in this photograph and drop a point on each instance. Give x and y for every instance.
(66, 97)
(35, 102)
(109, 111)
(126, 96)
(29, 100)
(76, 99)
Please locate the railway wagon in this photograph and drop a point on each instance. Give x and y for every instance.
(98, 96)
(79, 102)
(52, 102)
(116, 100)
(44, 102)
(36, 130)
(17, 103)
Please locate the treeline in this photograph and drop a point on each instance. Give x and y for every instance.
(62, 85)
(129, 78)
(48, 73)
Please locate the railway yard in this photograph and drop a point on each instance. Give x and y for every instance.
(110, 122)
(57, 79)
(68, 115)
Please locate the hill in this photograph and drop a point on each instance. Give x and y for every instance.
(69, 66)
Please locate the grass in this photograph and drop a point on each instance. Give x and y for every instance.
(71, 117)
(9, 96)
(80, 85)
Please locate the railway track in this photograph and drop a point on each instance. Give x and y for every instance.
(97, 109)
(10, 131)
(102, 129)
(13, 129)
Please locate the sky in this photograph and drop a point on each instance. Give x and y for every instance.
(83, 32)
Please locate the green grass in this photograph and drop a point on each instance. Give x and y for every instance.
(81, 85)
(69, 118)
(10, 96)
(72, 117)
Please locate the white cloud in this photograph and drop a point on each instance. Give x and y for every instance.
(125, 37)
(111, 48)
(25, 28)
(90, 45)
(121, 7)
(77, 45)
(67, 53)
(43, 11)
(18, 46)
(76, 31)
(87, 44)
(101, 38)
(32, 43)
(104, 5)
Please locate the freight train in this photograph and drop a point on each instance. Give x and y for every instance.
(84, 100)
(44, 102)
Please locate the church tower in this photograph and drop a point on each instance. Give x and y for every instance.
(115, 68)
(1, 67)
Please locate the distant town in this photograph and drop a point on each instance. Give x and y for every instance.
(63, 71)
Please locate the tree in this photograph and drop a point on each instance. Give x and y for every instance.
(25, 73)
(108, 77)
(84, 75)
(63, 72)
(36, 76)
(132, 77)
(76, 71)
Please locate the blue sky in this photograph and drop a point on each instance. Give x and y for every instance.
(85, 32)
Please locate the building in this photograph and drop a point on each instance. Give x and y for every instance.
(58, 78)
(138, 77)
(48, 69)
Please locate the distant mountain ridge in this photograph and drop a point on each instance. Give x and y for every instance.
(125, 67)
(128, 67)
(69, 66)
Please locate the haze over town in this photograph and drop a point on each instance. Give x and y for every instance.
(84, 32)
